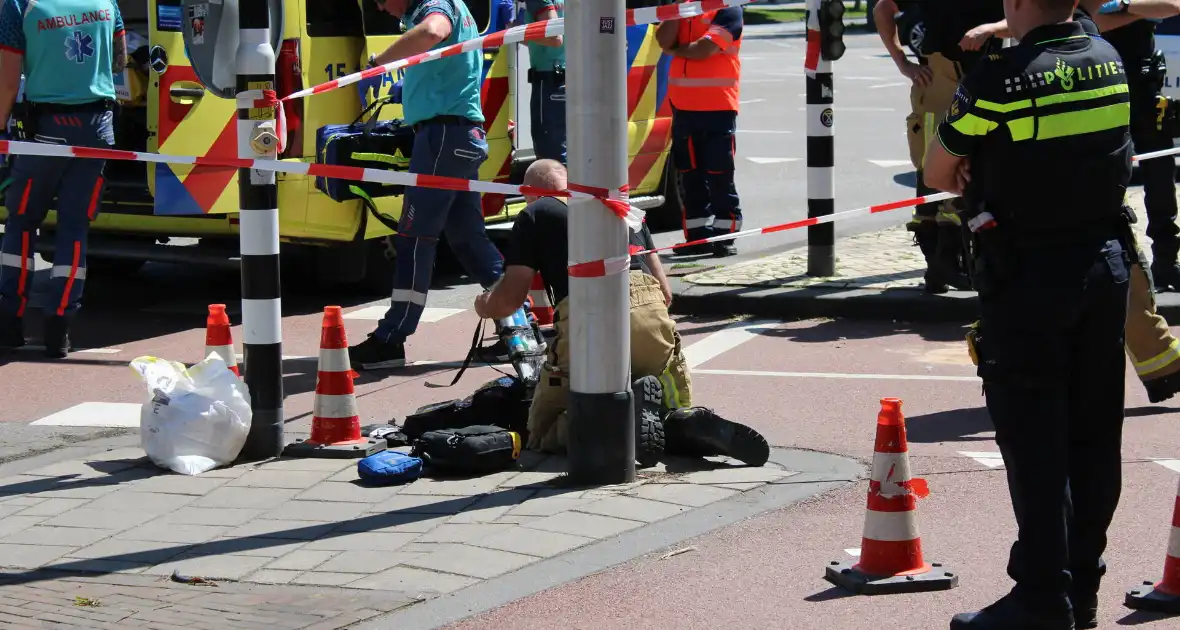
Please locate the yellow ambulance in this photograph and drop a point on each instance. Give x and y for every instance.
(189, 214)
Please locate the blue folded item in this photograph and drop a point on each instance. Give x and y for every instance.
(389, 468)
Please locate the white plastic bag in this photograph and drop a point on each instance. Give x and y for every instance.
(195, 419)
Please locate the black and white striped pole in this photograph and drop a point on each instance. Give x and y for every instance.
(825, 28)
(262, 334)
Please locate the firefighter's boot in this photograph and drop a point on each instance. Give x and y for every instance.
(12, 332)
(926, 238)
(949, 257)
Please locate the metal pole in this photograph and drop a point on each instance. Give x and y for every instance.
(259, 241)
(821, 172)
(601, 445)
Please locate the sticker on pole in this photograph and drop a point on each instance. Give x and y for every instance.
(827, 117)
(606, 25)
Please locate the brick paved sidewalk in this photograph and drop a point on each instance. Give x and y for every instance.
(885, 260)
(299, 543)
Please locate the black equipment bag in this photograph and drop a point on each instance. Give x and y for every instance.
(380, 144)
(502, 402)
(470, 450)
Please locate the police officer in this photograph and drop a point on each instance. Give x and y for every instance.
(703, 89)
(957, 35)
(547, 77)
(1044, 187)
(69, 71)
(1133, 36)
(442, 102)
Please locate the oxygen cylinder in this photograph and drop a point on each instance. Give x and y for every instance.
(524, 349)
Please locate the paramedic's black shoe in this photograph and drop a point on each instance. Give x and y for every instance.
(648, 394)
(374, 354)
(57, 337)
(699, 432)
(1009, 613)
(12, 332)
(1166, 276)
(724, 249)
(692, 250)
(1085, 610)
(1162, 388)
(495, 353)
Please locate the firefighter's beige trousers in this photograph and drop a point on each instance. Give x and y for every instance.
(655, 351)
(928, 107)
(1150, 344)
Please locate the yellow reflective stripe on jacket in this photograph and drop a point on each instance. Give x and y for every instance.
(671, 392)
(972, 125)
(384, 158)
(1002, 108)
(1084, 121)
(1160, 361)
(1084, 95)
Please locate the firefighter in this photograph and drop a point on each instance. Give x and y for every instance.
(662, 386)
(442, 103)
(957, 36)
(547, 77)
(703, 89)
(69, 100)
(1044, 187)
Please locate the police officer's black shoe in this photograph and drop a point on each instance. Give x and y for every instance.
(1009, 613)
(648, 394)
(12, 332)
(723, 249)
(692, 250)
(934, 284)
(1166, 276)
(1085, 610)
(57, 337)
(374, 354)
(699, 432)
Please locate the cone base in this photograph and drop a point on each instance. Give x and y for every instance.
(308, 449)
(848, 576)
(1149, 598)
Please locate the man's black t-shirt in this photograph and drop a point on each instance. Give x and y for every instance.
(948, 21)
(540, 241)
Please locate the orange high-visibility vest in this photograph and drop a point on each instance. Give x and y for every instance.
(709, 84)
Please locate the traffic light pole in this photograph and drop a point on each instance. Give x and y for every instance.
(259, 239)
(601, 446)
(821, 140)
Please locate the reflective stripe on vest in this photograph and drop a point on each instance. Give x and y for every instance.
(709, 84)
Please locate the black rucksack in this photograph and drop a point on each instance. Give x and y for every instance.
(470, 450)
(501, 402)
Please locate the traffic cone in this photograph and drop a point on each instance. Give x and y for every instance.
(891, 549)
(542, 307)
(335, 423)
(1164, 596)
(218, 339)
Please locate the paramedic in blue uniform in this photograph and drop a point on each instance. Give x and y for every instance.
(441, 100)
(69, 52)
(547, 78)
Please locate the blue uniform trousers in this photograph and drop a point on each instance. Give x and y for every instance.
(547, 114)
(1052, 364)
(36, 180)
(450, 150)
(703, 148)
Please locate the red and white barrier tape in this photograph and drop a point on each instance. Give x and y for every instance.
(518, 34)
(615, 200)
(620, 264)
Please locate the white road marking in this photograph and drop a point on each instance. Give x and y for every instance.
(753, 100)
(376, 312)
(839, 375)
(854, 552)
(1171, 464)
(745, 81)
(763, 131)
(891, 163)
(991, 459)
(99, 351)
(838, 109)
(769, 160)
(725, 340)
(94, 414)
(888, 85)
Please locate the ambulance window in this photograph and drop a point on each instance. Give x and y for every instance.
(481, 10)
(334, 18)
(378, 22)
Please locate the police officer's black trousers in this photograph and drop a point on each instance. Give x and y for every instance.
(1053, 370)
(1158, 175)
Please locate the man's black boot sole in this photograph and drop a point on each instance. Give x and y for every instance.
(703, 428)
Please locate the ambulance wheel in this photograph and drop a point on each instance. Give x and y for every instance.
(379, 266)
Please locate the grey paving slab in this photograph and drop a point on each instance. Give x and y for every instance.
(532, 542)
(87, 469)
(102, 519)
(460, 533)
(588, 525)
(249, 498)
(153, 502)
(424, 504)
(227, 567)
(164, 531)
(294, 530)
(361, 542)
(301, 560)
(550, 502)
(13, 524)
(348, 492)
(417, 583)
(317, 578)
(50, 507)
(393, 522)
(137, 551)
(308, 463)
(21, 500)
(532, 480)
(258, 546)
(292, 479)
(9, 510)
(230, 472)
(365, 562)
(633, 508)
(228, 517)
(271, 576)
(325, 511)
(473, 561)
(736, 475)
(46, 535)
(90, 565)
(683, 493)
(458, 487)
(741, 487)
(80, 490)
(180, 484)
(492, 506)
(30, 556)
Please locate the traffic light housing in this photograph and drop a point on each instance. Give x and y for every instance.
(831, 29)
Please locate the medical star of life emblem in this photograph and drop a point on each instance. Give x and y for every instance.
(79, 47)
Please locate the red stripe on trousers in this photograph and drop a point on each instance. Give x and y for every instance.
(65, 294)
(93, 209)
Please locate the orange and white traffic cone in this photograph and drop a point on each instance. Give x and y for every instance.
(891, 549)
(218, 339)
(335, 422)
(542, 307)
(1163, 596)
